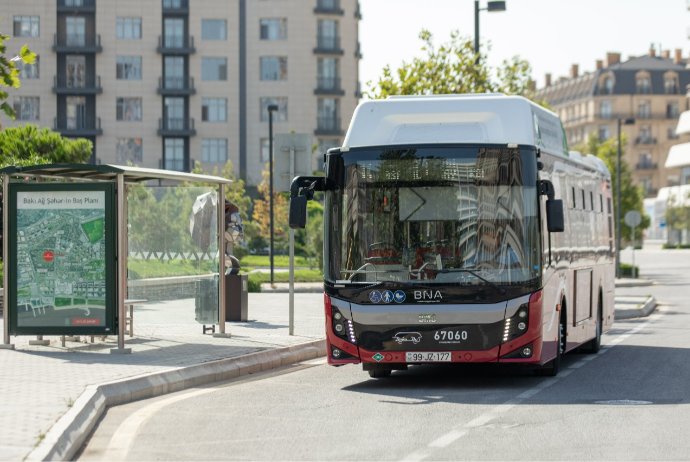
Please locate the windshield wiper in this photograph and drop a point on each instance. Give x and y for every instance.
(384, 281)
(464, 270)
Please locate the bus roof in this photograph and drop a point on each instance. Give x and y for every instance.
(472, 118)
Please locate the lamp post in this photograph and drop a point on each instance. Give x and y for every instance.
(618, 196)
(271, 109)
(491, 6)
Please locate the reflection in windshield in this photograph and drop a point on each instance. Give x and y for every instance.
(406, 214)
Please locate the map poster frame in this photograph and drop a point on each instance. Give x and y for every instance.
(78, 293)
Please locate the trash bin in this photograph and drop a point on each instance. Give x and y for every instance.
(236, 297)
(206, 300)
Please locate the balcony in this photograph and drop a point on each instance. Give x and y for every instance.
(176, 7)
(358, 92)
(176, 126)
(76, 6)
(646, 166)
(176, 86)
(358, 51)
(328, 45)
(358, 11)
(77, 126)
(328, 126)
(328, 86)
(77, 44)
(176, 45)
(90, 85)
(328, 7)
(645, 140)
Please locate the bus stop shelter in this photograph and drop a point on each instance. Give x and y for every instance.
(88, 189)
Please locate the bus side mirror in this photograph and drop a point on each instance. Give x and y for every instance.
(298, 212)
(554, 216)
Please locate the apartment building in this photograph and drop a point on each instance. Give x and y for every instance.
(646, 91)
(165, 83)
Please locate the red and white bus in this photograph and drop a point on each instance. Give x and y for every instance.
(460, 229)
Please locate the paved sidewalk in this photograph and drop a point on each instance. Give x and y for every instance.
(39, 384)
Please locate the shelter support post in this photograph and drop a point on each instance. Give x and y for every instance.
(221, 263)
(291, 315)
(6, 345)
(121, 265)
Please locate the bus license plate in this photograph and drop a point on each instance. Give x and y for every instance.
(427, 357)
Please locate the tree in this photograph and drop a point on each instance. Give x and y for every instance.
(26, 141)
(280, 213)
(9, 74)
(452, 69)
(631, 195)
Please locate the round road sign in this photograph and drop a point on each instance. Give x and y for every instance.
(633, 218)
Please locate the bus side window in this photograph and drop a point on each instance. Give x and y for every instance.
(601, 203)
(584, 205)
(591, 201)
(574, 198)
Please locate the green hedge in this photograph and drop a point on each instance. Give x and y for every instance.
(626, 270)
(676, 246)
(256, 279)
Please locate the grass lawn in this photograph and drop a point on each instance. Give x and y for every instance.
(279, 261)
(300, 276)
(142, 269)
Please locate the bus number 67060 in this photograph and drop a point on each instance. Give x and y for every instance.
(450, 335)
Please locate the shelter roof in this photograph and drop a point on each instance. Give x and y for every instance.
(86, 172)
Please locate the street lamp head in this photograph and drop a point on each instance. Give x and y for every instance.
(496, 6)
(629, 122)
(272, 108)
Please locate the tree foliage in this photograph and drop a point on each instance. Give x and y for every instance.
(30, 141)
(678, 212)
(280, 213)
(452, 69)
(632, 195)
(9, 74)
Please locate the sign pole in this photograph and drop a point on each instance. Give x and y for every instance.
(221, 263)
(292, 256)
(633, 252)
(5, 252)
(121, 267)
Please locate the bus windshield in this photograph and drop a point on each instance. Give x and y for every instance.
(434, 215)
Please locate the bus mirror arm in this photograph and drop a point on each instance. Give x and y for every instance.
(302, 190)
(555, 222)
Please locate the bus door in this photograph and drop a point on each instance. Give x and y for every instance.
(583, 305)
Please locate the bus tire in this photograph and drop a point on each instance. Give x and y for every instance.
(380, 374)
(594, 345)
(551, 368)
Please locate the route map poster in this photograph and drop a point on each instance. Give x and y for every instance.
(61, 249)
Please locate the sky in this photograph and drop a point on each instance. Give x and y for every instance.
(550, 34)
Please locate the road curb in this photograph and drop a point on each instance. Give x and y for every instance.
(638, 282)
(68, 434)
(647, 308)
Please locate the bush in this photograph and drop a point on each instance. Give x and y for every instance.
(626, 270)
(676, 246)
(254, 285)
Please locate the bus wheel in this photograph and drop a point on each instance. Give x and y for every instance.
(551, 368)
(380, 374)
(594, 345)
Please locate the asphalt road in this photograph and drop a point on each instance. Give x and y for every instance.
(629, 402)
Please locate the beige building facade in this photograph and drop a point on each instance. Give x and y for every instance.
(646, 93)
(165, 83)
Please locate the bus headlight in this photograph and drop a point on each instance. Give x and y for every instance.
(343, 327)
(516, 325)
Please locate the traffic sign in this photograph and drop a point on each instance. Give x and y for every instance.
(633, 218)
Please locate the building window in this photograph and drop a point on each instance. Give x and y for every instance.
(274, 29)
(608, 86)
(672, 180)
(174, 154)
(328, 114)
(326, 144)
(672, 132)
(128, 28)
(214, 110)
(26, 26)
(74, 2)
(128, 150)
(328, 34)
(75, 31)
(643, 85)
(214, 29)
(671, 86)
(173, 33)
(672, 110)
(173, 72)
(644, 109)
(606, 109)
(604, 132)
(172, 4)
(645, 132)
(128, 68)
(646, 185)
(274, 68)
(76, 112)
(265, 150)
(28, 71)
(645, 160)
(27, 107)
(327, 71)
(214, 69)
(214, 150)
(129, 109)
(174, 113)
(281, 115)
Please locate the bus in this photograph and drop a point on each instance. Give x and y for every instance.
(461, 229)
